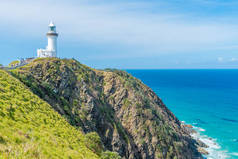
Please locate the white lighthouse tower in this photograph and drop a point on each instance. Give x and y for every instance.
(51, 49)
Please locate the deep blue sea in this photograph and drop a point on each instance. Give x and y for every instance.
(207, 99)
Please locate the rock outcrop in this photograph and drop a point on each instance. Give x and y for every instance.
(128, 116)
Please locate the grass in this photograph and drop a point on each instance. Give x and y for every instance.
(30, 128)
(13, 63)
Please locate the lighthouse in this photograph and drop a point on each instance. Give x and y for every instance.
(51, 48)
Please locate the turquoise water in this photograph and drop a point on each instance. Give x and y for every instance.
(207, 99)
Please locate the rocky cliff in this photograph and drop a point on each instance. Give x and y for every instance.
(128, 116)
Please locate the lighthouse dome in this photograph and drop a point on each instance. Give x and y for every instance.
(51, 24)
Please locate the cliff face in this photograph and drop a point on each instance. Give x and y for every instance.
(128, 116)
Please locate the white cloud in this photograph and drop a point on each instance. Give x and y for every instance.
(220, 59)
(125, 23)
(233, 59)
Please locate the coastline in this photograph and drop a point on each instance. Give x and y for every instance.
(216, 110)
(207, 146)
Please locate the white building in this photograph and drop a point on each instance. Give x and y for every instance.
(51, 49)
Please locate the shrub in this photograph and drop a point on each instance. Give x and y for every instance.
(93, 142)
(110, 155)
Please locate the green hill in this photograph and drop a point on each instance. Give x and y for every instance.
(30, 128)
(127, 115)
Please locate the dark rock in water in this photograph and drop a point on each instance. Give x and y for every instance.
(201, 144)
(235, 140)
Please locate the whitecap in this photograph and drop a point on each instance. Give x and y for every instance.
(214, 149)
(234, 153)
(198, 128)
(201, 129)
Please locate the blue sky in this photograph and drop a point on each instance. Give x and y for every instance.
(125, 34)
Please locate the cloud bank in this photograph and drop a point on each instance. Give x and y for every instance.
(129, 29)
(129, 24)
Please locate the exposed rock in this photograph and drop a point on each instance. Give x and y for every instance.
(188, 126)
(193, 131)
(201, 144)
(202, 151)
(129, 117)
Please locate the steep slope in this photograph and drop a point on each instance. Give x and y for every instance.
(30, 128)
(128, 116)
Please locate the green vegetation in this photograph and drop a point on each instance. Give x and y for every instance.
(110, 104)
(13, 63)
(30, 128)
(126, 103)
(110, 155)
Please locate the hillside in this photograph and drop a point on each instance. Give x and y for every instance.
(30, 128)
(128, 116)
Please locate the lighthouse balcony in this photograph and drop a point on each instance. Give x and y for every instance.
(52, 34)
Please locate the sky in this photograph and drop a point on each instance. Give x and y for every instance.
(125, 34)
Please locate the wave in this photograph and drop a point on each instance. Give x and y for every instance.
(214, 149)
(234, 153)
(198, 129)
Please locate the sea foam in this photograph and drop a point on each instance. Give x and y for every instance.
(214, 149)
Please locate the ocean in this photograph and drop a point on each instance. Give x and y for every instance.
(206, 99)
